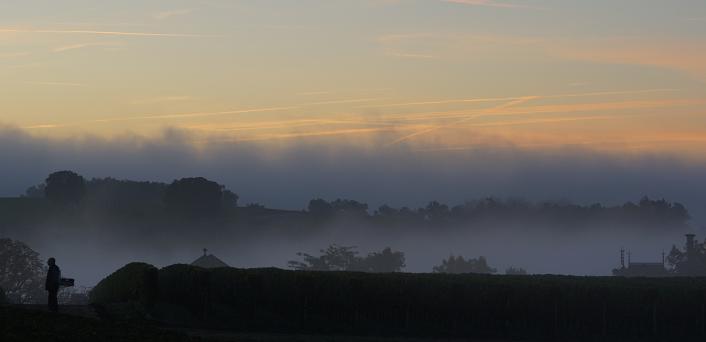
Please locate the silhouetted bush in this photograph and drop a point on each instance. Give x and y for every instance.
(134, 282)
(3, 300)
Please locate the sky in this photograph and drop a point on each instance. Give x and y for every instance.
(401, 91)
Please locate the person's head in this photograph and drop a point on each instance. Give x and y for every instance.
(51, 261)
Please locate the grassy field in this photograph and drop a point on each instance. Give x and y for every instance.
(31, 324)
(34, 323)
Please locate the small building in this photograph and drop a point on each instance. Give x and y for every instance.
(640, 269)
(208, 261)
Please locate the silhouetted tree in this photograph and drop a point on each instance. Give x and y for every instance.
(194, 196)
(35, 191)
(459, 265)
(349, 208)
(515, 271)
(676, 259)
(436, 212)
(320, 208)
(386, 211)
(65, 187)
(21, 272)
(345, 258)
(334, 258)
(689, 262)
(255, 209)
(124, 195)
(386, 261)
(230, 199)
(3, 299)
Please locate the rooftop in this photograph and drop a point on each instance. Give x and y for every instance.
(208, 261)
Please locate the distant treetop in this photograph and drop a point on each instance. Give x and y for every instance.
(65, 187)
(194, 195)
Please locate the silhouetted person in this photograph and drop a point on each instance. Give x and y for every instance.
(52, 284)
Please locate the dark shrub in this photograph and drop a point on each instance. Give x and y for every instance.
(3, 300)
(135, 282)
(185, 285)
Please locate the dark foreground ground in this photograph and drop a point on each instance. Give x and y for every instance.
(81, 323)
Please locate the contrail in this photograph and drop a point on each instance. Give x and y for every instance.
(546, 109)
(188, 115)
(425, 131)
(103, 33)
(500, 99)
(166, 116)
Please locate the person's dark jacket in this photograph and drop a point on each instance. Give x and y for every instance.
(53, 278)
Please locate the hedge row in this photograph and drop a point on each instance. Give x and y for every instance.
(135, 282)
(482, 306)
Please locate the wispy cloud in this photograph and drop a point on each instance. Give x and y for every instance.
(207, 114)
(500, 99)
(544, 121)
(81, 46)
(508, 109)
(100, 33)
(342, 91)
(163, 116)
(543, 109)
(409, 55)
(683, 54)
(489, 3)
(162, 99)
(199, 114)
(436, 128)
(322, 133)
(63, 84)
(13, 54)
(43, 126)
(344, 101)
(315, 93)
(172, 13)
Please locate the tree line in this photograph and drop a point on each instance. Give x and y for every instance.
(347, 258)
(200, 197)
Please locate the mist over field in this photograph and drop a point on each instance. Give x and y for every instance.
(91, 254)
(288, 177)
